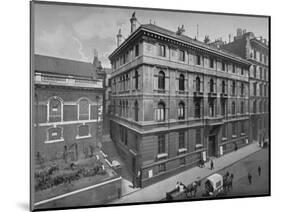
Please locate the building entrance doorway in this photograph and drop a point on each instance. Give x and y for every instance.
(212, 146)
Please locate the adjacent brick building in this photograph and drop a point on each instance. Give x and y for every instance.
(255, 50)
(175, 100)
(68, 100)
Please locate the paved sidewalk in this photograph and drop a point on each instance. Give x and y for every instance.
(158, 190)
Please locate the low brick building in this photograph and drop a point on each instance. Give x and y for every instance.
(67, 107)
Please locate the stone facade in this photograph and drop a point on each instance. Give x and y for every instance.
(175, 101)
(255, 50)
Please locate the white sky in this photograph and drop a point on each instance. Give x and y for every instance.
(74, 32)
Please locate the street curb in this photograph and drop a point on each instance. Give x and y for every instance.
(201, 178)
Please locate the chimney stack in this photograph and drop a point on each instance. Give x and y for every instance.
(229, 38)
(133, 21)
(119, 38)
(239, 32)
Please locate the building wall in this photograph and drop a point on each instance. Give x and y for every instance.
(148, 65)
(68, 125)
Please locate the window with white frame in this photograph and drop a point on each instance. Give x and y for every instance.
(55, 109)
(160, 112)
(83, 109)
(181, 110)
(54, 134)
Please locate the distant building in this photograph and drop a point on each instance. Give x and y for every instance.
(175, 101)
(68, 100)
(255, 50)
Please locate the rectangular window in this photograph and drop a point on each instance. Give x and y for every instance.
(260, 72)
(198, 60)
(233, 128)
(162, 167)
(162, 50)
(255, 54)
(182, 56)
(255, 71)
(182, 161)
(223, 65)
(181, 140)
(233, 68)
(161, 144)
(137, 50)
(255, 89)
(198, 136)
(224, 133)
(212, 63)
(261, 57)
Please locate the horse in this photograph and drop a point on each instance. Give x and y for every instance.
(192, 187)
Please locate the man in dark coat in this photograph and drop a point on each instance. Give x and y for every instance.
(212, 164)
(259, 170)
(250, 178)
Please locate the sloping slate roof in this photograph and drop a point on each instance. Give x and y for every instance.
(188, 39)
(56, 65)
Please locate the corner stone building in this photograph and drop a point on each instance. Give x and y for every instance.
(255, 50)
(67, 108)
(175, 100)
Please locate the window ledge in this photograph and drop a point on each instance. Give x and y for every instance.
(223, 139)
(162, 155)
(182, 150)
(82, 137)
(242, 134)
(197, 146)
(234, 136)
(54, 141)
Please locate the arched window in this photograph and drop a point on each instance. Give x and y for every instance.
(181, 82)
(161, 80)
(223, 87)
(211, 85)
(54, 134)
(83, 109)
(181, 113)
(198, 84)
(136, 106)
(212, 108)
(55, 109)
(197, 110)
(233, 108)
(261, 107)
(136, 80)
(160, 112)
(242, 108)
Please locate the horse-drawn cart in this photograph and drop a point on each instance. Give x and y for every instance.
(214, 185)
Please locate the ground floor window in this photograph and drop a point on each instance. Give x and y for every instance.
(198, 136)
(181, 140)
(83, 130)
(161, 144)
(162, 167)
(182, 161)
(54, 134)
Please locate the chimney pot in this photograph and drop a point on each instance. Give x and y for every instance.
(133, 21)
(119, 38)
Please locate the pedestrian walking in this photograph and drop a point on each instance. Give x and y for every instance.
(212, 164)
(259, 170)
(250, 178)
